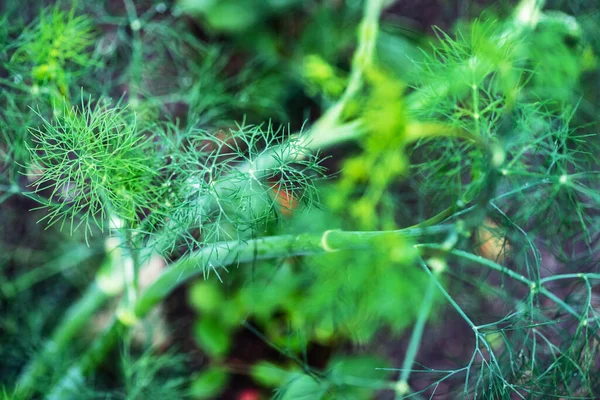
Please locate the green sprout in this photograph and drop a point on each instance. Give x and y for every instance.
(55, 48)
(94, 165)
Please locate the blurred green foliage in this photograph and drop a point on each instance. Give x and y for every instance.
(53, 49)
(156, 157)
(350, 377)
(326, 299)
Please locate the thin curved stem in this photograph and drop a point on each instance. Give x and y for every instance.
(322, 130)
(108, 283)
(73, 320)
(533, 286)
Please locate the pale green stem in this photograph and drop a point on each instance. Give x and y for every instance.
(220, 255)
(329, 129)
(533, 286)
(402, 387)
(137, 53)
(584, 276)
(28, 279)
(323, 130)
(106, 285)
(75, 318)
(130, 272)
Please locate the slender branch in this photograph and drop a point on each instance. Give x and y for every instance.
(322, 130)
(208, 259)
(327, 131)
(583, 276)
(73, 320)
(402, 387)
(108, 283)
(130, 271)
(137, 52)
(535, 287)
(28, 279)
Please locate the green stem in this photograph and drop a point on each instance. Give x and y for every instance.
(583, 276)
(402, 387)
(106, 285)
(72, 322)
(137, 52)
(535, 287)
(130, 271)
(324, 130)
(329, 129)
(28, 279)
(436, 219)
(220, 255)
(445, 293)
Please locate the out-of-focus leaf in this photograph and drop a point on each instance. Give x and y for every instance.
(209, 383)
(225, 15)
(357, 369)
(212, 336)
(269, 374)
(205, 296)
(396, 53)
(303, 387)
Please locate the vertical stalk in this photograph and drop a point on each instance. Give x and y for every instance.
(437, 266)
(402, 387)
(137, 52)
(362, 60)
(130, 270)
(74, 319)
(106, 285)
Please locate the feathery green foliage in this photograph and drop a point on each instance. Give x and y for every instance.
(94, 163)
(416, 228)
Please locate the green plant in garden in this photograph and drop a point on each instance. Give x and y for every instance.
(52, 48)
(96, 165)
(456, 189)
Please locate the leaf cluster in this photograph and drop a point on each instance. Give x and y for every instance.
(94, 163)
